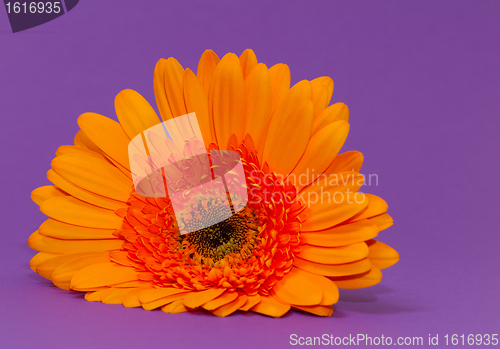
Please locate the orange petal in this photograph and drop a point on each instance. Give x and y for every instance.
(96, 295)
(206, 68)
(73, 149)
(197, 102)
(333, 113)
(173, 74)
(100, 275)
(40, 257)
(382, 255)
(154, 294)
(320, 310)
(251, 301)
(134, 113)
(197, 299)
(269, 306)
(175, 307)
(328, 288)
(332, 205)
(288, 134)
(341, 235)
(327, 83)
(328, 141)
(59, 230)
(42, 194)
(231, 307)
(83, 194)
(83, 141)
(223, 299)
(131, 299)
(62, 275)
(348, 161)
(258, 103)
(163, 301)
(367, 279)
(46, 244)
(280, 82)
(94, 175)
(227, 100)
(334, 269)
(73, 211)
(383, 221)
(376, 206)
(108, 135)
(298, 289)
(47, 267)
(334, 255)
(248, 61)
(114, 295)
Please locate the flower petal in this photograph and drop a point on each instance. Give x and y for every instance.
(334, 255)
(94, 175)
(327, 83)
(341, 235)
(381, 255)
(197, 299)
(280, 82)
(295, 126)
(154, 294)
(248, 61)
(251, 301)
(114, 295)
(108, 135)
(134, 113)
(298, 289)
(258, 103)
(83, 141)
(168, 88)
(73, 211)
(231, 307)
(333, 113)
(42, 194)
(269, 306)
(83, 194)
(226, 100)
(223, 299)
(328, 141)
(197, 102)
(46, 268)
(376, 206)
(40, 257)
(62, 275)
(206, 68)
(334, 269)
(348, 161)
(164, 301)
(101, 275)
(175, 307)
(330, 205)
(46, 244)
(60, 230)
(383, 221)
(73, 149)
(367, 279)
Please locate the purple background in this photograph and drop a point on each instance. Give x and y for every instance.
(421, 79)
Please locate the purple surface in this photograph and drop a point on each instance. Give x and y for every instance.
(421, 80)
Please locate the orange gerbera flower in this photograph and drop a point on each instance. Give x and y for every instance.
(292, 246)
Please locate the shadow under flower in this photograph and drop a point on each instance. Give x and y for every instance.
(372, 300)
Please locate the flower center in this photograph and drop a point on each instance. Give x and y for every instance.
(235, 235)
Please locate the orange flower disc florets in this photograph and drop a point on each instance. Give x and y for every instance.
(248, 252)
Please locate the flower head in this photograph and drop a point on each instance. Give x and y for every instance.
(305, 230)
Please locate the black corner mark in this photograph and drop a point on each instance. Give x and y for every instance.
(26, 14)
